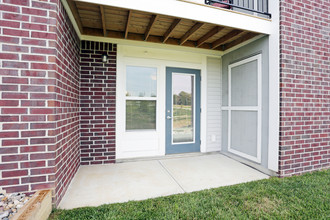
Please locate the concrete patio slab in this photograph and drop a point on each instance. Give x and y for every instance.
(205, 172)
(103, 184)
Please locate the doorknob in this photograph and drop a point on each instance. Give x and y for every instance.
(168, 117)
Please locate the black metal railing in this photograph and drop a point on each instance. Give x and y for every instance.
(259, 7)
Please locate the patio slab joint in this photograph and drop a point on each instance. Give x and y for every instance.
(169, 173)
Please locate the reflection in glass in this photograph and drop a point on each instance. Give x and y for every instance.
(141, 81)
(140, 114)
(183, 106)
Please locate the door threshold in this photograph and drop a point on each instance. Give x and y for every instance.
(166, 157)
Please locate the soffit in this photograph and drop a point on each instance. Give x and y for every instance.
(112, 22)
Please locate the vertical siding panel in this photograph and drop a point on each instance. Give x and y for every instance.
(213, 104)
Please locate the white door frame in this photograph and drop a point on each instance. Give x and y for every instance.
(257, 108)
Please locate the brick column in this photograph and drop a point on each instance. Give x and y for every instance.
(39, 87)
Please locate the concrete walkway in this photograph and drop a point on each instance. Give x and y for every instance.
(122, 182)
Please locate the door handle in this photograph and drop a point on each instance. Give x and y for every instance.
(169, 117)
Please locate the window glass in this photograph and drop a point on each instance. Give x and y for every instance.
(140, 114)
(183, 106)
(141, 81)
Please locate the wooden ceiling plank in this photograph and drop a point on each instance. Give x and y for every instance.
(88, 14)
(86, 6)
(190, 32)
(209, 34)
(103, 20)
(76, 16)
(151, 24)
(171, 29)
(127, 23)
(225, 38)
(240, 40)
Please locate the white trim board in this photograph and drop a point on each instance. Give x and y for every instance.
(152, 45)
(274, 88)
(71, 17)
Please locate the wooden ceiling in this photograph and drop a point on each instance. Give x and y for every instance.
(99, 20)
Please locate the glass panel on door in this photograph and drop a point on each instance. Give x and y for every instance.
(183, 107)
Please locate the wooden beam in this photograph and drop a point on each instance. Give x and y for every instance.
(240, 40)
(192, 30)
(76, 15)
(225, 38)
(127, 23)
(140, 37)
(171, 29)
(103, 21)
(149, 28)
(209, 34)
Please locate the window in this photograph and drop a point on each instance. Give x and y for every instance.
(183, 86)
(141, 96)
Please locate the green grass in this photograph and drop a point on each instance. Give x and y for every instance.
(299, 197)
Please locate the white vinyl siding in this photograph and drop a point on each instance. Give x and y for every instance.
(213, 104)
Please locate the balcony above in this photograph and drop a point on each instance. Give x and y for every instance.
(101, 19)
(255, 7)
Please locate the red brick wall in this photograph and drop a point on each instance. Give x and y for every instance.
(39, 86)
(67, 148)
(27, 82)
(305, 86)
(97, 97)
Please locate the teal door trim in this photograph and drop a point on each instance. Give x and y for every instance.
(172, 148)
